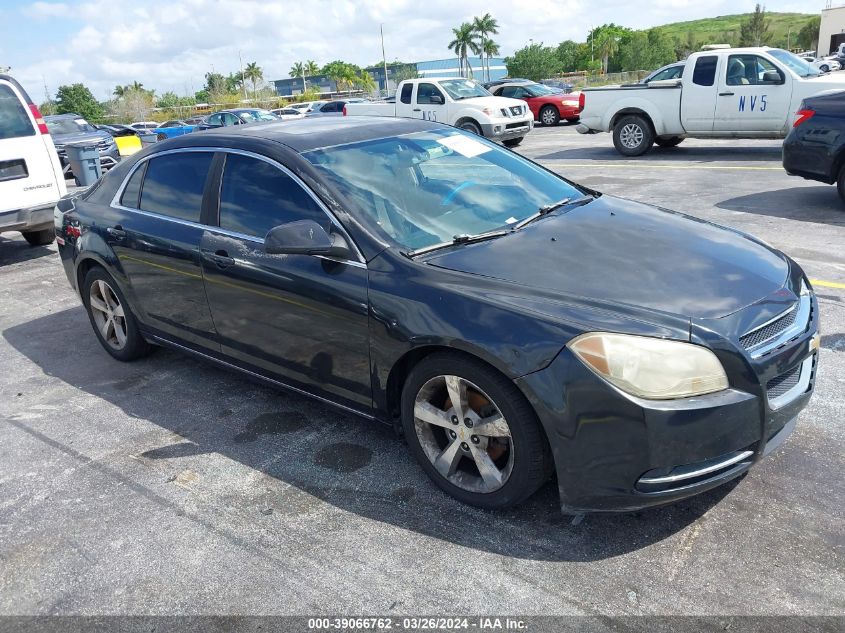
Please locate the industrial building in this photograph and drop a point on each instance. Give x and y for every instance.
(832, 29)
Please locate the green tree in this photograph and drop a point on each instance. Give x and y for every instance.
(215, 88)
(568, 54)
(365, 81)
(253, 74)
(490, 49)
(808, 36)
(535, 62)
(298, 71)
(405, 71)
(604, 41)
(644, 50)
(78, 99)
(168, 100)
(463, 43)
(754, 30)
(484, 26)
(234, 82)
(344, 75)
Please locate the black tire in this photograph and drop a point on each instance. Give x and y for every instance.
(840, 183)
(40, 238)
(824, 68)
(470, 126)
(161, 136)
(629, 129)
(135, 345)
(549, 116)
(513, 142)
(668, 141)
(532, 463)
(573, 119)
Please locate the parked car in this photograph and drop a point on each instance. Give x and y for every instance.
(464, 103)
(669, 71)
(815, 148)
(195, 120)
(170, 129)
(380, 265)
(725, 92)
(307, 106)
(31, 180)
(558, 85)
(823, 64)
(72, 128)
(144, 126)
(238, 116)
(331, 108)
(288, 113)
(116, 129)
(548, 105)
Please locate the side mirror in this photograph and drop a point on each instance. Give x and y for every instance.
(436, 100)
(772, 77)
(305, 237)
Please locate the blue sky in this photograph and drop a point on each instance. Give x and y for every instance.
(170, 44)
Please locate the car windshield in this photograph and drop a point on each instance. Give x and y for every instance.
(539, 90)
(256, 115)
(425, 188)
(463, 88)
(801, 67)
(69, 126)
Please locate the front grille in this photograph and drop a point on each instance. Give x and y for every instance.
(769, 331)
(779, 385)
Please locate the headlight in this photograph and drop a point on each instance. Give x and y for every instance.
(651, 367)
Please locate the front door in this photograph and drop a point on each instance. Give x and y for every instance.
(430, 103)
(698, 97)
(298, 318)
(156, 236)
(753, 96)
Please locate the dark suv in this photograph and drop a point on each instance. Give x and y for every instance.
(72, 128)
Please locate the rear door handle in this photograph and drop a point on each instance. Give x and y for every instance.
(116, 232)
(726, 94)
(221, 258)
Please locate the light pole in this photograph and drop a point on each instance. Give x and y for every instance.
(384, 61)
(243, 79)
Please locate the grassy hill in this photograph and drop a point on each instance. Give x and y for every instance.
(724, 29)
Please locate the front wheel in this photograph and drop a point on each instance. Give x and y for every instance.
(513, 142)
(40, 238)
(470, 126)
(473, 432)
(632, 136)
(668, 141)
(825, 68)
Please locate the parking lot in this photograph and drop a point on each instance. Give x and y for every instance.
(167, 486)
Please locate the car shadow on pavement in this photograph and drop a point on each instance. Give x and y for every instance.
(818, 204)
(319, 454)
(719, 154)
(16, 251)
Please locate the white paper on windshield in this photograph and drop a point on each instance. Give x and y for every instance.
(80, 121)
(464, 145)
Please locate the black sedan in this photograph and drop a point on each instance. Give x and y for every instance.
(239, 116)
(511, 323)
(815, 148)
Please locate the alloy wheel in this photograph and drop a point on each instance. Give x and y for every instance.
(548, 116)
(464, 434)
(108, 314)
(631, 136)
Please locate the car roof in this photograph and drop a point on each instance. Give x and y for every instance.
(57, 117)
(307, 134)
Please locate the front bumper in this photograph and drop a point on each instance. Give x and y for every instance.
(615, 452)
(507, 129)
(32, 219)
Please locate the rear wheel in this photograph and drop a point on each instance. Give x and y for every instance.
(111, 318)
(668, 141)
(824, 68)
(840, 183)
(632, 135)
(470, 126)
(549, 115)
(513, 142)
(473, 432)
(40, 238)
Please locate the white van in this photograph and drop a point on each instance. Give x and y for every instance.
(31, 179)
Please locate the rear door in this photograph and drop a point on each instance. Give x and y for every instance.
(30, 173)
(698, 97)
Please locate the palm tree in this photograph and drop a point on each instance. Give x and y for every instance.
(484, 26)
(119, 91)
(366, 82)
(463, 43)
(254, 73)
(298, 70)
(311, 68)
(135, 86)
(491, 49)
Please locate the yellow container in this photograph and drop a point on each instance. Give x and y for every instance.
(127, 145)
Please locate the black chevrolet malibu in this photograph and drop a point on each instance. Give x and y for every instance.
(513, 324)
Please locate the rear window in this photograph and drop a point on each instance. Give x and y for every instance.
(14, 120)
(406, 93)
(705, 70)
(174, 183)
(133, 189)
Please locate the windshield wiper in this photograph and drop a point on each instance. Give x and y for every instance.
(460, 239)
(546, 209)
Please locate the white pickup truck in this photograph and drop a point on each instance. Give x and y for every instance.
(464, 103)
(723, 93)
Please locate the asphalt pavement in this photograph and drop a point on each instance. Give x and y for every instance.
(167, 486)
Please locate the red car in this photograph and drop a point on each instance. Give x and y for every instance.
(548, 105)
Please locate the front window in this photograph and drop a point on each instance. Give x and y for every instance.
(463, 88)
(69, 126)
(800, 67)
(750, 70)
(425, 188)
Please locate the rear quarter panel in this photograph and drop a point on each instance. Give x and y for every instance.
(661, 104)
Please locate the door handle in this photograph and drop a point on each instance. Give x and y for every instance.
(116, 231)
(417, 110)
(221, 258)
(726, 94)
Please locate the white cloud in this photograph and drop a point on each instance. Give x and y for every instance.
(46, 10)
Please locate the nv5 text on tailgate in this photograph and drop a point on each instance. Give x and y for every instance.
(724, 93)
(463, 103)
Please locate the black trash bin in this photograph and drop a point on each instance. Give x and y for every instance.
(84, 162)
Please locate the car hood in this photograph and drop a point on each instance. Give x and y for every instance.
(492, 102)
(623, 252)
(81, 137)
